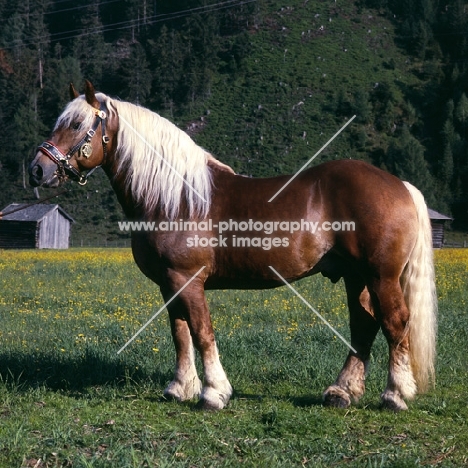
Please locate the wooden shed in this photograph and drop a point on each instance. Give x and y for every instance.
(438, 221)
(38, 226)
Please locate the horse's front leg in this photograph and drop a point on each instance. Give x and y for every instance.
(186, 384)
(190, 320)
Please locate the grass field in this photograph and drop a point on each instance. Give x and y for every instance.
(67, 399)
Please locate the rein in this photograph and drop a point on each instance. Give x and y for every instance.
(31, 204)
(83, 147)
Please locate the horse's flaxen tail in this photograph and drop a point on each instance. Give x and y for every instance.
(418, 284)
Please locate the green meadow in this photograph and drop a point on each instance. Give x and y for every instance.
(67, 399)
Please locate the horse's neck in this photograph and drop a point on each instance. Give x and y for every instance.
(132, 207)
(123, 192)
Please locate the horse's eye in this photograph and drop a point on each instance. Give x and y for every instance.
(76, 125)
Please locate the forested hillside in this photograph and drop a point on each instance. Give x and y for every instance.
(262, 84)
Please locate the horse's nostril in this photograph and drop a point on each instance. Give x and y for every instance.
(37, 172)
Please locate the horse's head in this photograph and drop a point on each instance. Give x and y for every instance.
(79, 143)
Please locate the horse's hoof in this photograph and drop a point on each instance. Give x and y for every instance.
(170, 397)
(336, 397)
(177, 391)
(213, 399)
(394, 406)
(204, 405)
(393, 402)
(335, 401)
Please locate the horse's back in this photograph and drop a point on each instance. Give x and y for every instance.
(358, 211)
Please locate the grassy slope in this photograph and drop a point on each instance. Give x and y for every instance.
(67, 399)
(290, 81)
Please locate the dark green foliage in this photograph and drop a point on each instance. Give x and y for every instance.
(447, 165)
(266, 83)
(135, 75)
(405, 159)
(60, 73)
(361, 106)
(89, 46)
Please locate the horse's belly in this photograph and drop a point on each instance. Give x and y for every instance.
(254, 259)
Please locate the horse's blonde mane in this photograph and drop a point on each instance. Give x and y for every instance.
(163, 164)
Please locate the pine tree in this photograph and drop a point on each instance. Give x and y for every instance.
(12, 35)
(138, 13)
(167, 69)
(28, 124)
(59, 75)
(38, 37)
(362, 106)
(136, 76)
(421, 33)
(461, 112)
(201, 54)
(405, 159)
(448, 133)
(446, 171)
(453, 23)
(89, 47)
(449, 109)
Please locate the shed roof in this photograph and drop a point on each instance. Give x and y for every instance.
(436, 215)
(33, 213)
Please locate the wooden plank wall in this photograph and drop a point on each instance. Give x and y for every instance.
(54, 232)
(437, 234)
(18, 234)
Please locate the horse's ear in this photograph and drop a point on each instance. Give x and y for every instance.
(73, 92)
(91, 95)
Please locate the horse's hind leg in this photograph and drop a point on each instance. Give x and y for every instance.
(189, 312)
(350, 384)
(395, 316)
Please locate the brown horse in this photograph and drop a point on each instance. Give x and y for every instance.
(210, 217)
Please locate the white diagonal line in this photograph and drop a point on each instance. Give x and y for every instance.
(160, 310)
(142, 138)
(312, 309)
(311, 159)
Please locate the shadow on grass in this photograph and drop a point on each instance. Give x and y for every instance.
(77, 374)
(299, 402)
(69, 373)
(23, 371)
(307, 401)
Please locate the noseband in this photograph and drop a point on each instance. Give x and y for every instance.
(83, 147)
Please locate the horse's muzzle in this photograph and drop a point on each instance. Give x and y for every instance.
(43, 172)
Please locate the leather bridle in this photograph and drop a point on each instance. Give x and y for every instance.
(83, 147)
